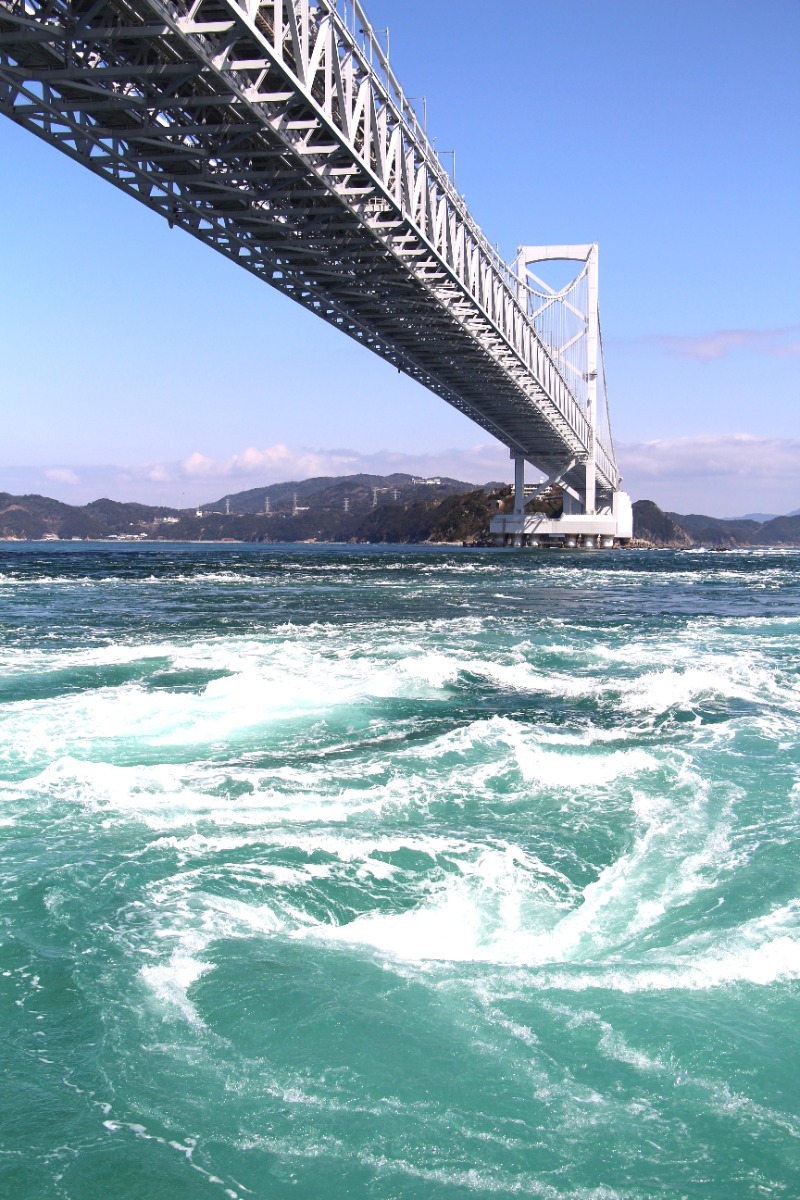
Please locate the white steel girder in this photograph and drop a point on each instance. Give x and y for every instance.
(275, 131)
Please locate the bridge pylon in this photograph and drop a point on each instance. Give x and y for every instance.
(568, 322)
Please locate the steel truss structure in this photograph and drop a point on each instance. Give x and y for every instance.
(275, 131)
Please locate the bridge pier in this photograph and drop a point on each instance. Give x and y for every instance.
(519, 485)
(611, 525)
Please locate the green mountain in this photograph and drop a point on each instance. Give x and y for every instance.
(783, 531)
(658, 528)
(34, 517)
(713, 531)
(459, 518)
(324, 509)
(361, 508)
(351, 493)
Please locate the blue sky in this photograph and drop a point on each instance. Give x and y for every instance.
(137, 363)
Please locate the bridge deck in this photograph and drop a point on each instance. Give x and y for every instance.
(263, 130)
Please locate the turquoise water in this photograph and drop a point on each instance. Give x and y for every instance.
(336, 872)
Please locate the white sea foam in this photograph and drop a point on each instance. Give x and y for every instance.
(494, 903)
(261, 686)
(170, 981)
(746, 956)
(300, 675)
(736, 960)
(545, 755)
(170, 795)
(173, 796)
(503, 907)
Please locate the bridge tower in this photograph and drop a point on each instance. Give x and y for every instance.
(568, 322)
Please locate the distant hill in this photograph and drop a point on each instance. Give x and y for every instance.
(37, 517)
(713, 531)
(783, 531)
(762, 518)
(359, 508)
(353, 493)
(396, 507)
(658, 528)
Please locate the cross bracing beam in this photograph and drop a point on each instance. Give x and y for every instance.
(275, 131)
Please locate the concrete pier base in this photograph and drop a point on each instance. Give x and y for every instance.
(573, 530)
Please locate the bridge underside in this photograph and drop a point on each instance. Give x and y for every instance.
(133, 94)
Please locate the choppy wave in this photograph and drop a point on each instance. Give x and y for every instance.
(374, 874)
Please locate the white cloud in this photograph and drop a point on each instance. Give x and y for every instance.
(719, 474)
(160, 473)
(781, 343)
(62, 475)
(256, 466)
(278, 462)
(736, 456)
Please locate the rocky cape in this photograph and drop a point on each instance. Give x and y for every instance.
(395, 509)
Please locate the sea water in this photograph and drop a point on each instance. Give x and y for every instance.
(342, 872)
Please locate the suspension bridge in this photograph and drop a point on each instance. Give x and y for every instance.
(277, 132)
